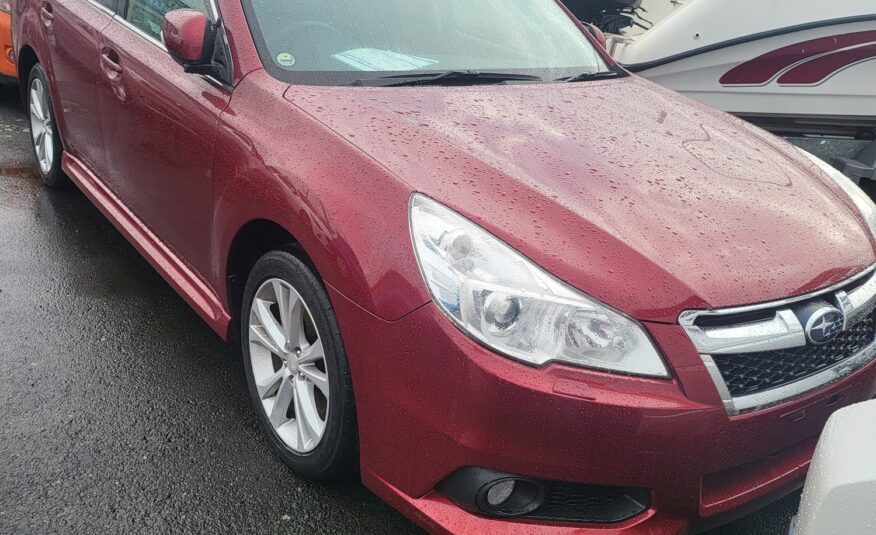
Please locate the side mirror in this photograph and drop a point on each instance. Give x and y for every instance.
(597, 33)
(186, 35)
(197, 44)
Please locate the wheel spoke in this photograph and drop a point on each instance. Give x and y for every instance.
(285, 394)
(35, 111)
(272, 328)
(309, 424)
(41, 147)
(312, 353)
(269, 386)
(36, 100)
(258, 335)
(296, 323)
(44, 101)
(281, 294)
(313, 375)
(300, 427)
(290, 311)
(48, 147)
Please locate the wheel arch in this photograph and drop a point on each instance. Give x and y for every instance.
(251, 241)
(26, 59)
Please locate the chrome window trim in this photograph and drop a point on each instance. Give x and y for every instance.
(140, 32)
(102, 7)
(779, 332)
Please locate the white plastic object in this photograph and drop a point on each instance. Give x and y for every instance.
(840, 492)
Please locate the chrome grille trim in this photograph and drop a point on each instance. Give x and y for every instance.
(781, 331)
(688, 317)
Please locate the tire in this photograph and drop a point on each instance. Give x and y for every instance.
(273, 372)
(45, 139)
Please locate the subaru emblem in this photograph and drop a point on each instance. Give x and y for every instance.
(824, 325)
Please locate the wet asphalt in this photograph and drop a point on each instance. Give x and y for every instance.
(121, 411)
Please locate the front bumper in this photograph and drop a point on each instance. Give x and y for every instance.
(430, 401)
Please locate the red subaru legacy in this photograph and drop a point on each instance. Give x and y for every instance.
(466, 253)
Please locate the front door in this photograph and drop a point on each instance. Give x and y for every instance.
(72, 29)
(159, 128)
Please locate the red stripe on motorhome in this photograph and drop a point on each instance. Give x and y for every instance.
(764, 68)
(820, 69)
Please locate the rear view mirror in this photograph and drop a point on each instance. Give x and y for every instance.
(186, 33)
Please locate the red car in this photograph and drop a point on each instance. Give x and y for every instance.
(521, 290)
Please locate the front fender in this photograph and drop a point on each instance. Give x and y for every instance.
(274, 162)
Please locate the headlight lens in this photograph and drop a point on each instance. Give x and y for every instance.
(511, 305)
(862, 201)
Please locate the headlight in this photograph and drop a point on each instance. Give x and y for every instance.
(862, 200)
(6, 6)
(509, 304)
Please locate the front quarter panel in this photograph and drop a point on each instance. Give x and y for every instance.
(276, 163)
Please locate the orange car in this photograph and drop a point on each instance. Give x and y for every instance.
(8, 71)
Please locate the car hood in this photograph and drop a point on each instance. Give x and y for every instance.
(642, 198)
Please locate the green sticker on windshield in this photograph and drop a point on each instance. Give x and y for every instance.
(285, 59)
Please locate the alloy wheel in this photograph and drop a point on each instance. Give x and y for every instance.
(288, 365)
(42, 125)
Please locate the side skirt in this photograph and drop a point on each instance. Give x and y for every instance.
(177, 273)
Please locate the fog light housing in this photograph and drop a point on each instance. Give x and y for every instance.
(510, 497)
(497, 494)
(492, 493)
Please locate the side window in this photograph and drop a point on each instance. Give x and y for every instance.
(148, 15)
(109, 4)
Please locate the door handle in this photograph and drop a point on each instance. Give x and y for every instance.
(46, 14)
(109, 64)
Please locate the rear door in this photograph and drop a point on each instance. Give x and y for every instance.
(159, 128)
(72, 30)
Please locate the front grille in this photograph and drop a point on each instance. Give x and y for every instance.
(589, 503)
(751, 373)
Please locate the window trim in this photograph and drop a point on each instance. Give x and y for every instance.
(108, 11)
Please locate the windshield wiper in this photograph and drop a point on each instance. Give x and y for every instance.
(589, 76)
(464, 77)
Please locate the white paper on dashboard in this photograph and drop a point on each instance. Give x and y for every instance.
(372, 59)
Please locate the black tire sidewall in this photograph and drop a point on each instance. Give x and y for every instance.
(335, 455)
(55, 178)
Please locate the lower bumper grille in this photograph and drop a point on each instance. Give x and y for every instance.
(751, 373)
(586, 503)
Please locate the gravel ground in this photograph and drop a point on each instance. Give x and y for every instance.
(121, 412)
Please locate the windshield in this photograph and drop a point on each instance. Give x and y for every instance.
(343, 41)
